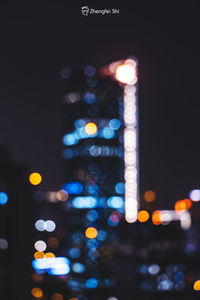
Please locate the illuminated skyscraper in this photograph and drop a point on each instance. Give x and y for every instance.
(94, 179)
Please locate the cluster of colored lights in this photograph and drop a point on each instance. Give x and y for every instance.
(87, 129)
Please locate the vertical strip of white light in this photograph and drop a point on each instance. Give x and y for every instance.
(130, 153)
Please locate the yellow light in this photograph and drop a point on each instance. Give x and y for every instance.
(143, 216)
(57, 296)
(35, 178)
(126, 73)
(156, 217)
(49, 255)
(91, 233)
(90, 128)
(39, 254)
(36, 292)
(149, 196)
(196, 285)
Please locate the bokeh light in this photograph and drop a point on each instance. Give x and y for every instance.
(194, 195)
(57, 296)
(35, 178)
(149, 196)
(40, 225)
(143, 216)
(50, 226)
(156, 217)
(62, 195)
(3, 244)
(49, 255)
(196, 285)
(37, 292)
(91, 128)
(39, 254)
(182, 205)
(40, 246)
(3, 198)
(91, 233)
(91, 283)
(126, 73)
(53, 242)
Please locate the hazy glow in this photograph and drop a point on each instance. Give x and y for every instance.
(40, 246)
(91, 128)
(53, 242)
(143, 216)
(36, 292)
(35, 178)
(3, 198)
(91, 233)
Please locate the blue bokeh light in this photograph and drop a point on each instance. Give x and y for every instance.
(3, 198)
(78, 268)
(92, 215)
(84, 202)
(74, 252)
(107, 133)
(120, 188)
(114, 124)
(115, 202)
(73, 188)
(91, 283)
(89, 98)
(89, 70)
(70, 139)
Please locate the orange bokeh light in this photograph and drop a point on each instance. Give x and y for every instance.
(156, 217)
(182, 205)
(90, 128)
(143, 216)
(49, 255)
(36, 292)
(57, 296)
(39, 254)
(91, 233)
(149, 196)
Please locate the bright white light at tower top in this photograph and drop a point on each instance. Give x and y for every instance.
(126, 72)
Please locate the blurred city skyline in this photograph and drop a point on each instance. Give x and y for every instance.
(37, 41)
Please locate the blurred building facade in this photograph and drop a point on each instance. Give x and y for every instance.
(16, 228)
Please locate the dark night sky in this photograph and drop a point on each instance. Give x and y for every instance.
(37, 40)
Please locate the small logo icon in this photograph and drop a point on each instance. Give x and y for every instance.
(85, 10)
